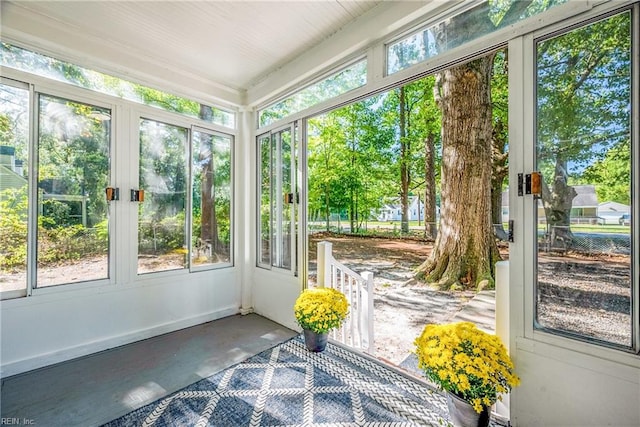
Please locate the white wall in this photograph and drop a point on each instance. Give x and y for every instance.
(274, 294)
(573, 389)
(45, 329)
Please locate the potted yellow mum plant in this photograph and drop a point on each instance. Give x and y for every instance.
(317, 311)
(472, 366)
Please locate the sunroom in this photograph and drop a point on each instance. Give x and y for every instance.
(133, 129)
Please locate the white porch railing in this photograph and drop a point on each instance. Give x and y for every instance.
(357, 329)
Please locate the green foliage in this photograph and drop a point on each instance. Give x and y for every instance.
(56, 241)
(167, 101)
(612, 175)
(583, 111)
(161, 236)
(102, 230)
(584, 92)
(13, 228)
(355, 157)
(56, 214)
(68, 243)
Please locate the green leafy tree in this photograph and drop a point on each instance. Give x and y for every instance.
(349, 153)
(583, 107)
(612, 174)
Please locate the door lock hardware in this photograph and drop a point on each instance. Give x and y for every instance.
(112, 193)
(530, 183)
(137, 196)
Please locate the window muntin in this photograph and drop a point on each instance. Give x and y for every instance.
(347, 79)
(24, 60)
(454, 31)
(162, 243)
(14, 187)
(211, 225)
(73, 171)
(584, 286)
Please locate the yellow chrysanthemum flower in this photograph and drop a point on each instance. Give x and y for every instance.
(321, 309)
(466, 361)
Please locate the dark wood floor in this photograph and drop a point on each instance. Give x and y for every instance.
(95, 389)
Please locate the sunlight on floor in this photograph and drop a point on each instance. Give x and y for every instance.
(143, 394)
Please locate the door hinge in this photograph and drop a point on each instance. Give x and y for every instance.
(520, 183)
(510, 232)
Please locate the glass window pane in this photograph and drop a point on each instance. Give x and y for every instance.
(161, 215)
(31, 62)
(73, 172)
(264, 221)
(466, 26)
(584, 154)
(211, 199)
(348, 79)
(14, 167)
(284, 203)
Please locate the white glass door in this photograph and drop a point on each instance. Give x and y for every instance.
(574, 279)
(278, 199)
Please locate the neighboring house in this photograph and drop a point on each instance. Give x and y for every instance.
(11, 177)
(585, 204)
(583, 209)
(10, 170)
(610, 212)
(393, 212)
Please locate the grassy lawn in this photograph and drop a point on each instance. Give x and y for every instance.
(587, 228)
(576, 228)
(414, 225)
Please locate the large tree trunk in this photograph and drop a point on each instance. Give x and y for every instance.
(557, 199)
(465, 249)
(208, 220)
(430, 228)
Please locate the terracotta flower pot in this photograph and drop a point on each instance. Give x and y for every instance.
(314, 341)
(462, 414)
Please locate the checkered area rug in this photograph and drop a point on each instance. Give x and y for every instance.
(291, 386)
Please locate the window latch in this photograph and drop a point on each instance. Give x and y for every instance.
(530, 183)
(112, 193)
(137, 196)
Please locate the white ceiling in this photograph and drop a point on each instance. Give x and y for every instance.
(232, 44)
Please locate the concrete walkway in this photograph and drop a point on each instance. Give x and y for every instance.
(481, 310)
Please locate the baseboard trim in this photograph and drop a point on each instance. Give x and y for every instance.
(245, 311)
(47, 359)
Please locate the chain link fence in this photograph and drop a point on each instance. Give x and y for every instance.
(561, 239)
